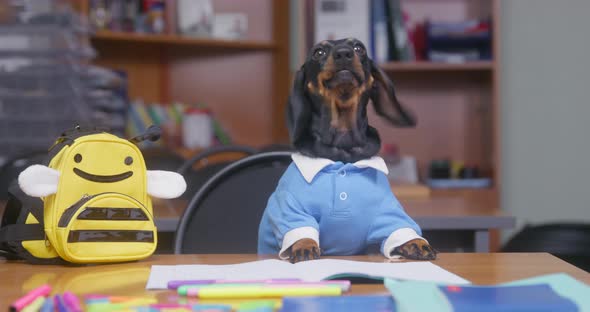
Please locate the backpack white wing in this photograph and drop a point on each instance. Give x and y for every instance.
(38, 181)
(165, 184)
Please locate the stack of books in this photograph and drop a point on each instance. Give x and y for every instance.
(458, 42)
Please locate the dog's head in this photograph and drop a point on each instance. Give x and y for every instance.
(326, 114)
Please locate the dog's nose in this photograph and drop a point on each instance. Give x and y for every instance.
(343, 54)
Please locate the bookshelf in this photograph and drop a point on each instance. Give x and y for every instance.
(244, 82)
(456, 104)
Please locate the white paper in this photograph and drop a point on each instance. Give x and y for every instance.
(341, 19)
(314, 270)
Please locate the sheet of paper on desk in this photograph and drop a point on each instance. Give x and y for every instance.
(315, 270)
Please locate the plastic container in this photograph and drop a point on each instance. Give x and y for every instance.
(197, 128)
(41, 107)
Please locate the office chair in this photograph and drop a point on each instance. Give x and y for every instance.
(275, 147)
(196, 178)
(568, 242)
(224, 215)
(158, 158)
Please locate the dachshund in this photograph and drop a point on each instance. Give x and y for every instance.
(327, 110)
(327, 122)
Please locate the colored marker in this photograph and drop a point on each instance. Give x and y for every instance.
(170, 306)
(257, 306)
(48, 305)
(22, 302)
(72, 302)
(35, 305)
(236, 303)
(99, 307)
(59, 304)
(212, 308)
(194, 292)
(177, 284)
(190, 290)
(266, 291)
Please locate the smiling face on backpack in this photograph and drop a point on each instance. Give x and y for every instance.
(104, 167)
(126, 169)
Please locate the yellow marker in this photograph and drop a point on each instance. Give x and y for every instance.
(35, 305)
(237, 303)
(266, 292)
(107, 306)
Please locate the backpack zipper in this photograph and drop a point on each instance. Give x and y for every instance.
(67, 215)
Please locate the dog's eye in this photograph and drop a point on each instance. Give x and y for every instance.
(319, 53)
(359, 50)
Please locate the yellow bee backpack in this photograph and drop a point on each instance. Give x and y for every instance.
(96, 205)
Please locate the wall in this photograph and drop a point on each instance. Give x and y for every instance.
(545, 115)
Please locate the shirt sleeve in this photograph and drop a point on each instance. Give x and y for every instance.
(392, 226)
(290, 221)
(398, 238)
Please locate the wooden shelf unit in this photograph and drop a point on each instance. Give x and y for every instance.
(244, 82)
(456, 105)
(165, 40)
(423, 66)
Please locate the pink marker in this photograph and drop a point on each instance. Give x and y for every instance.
(72, 302)
(24, 301)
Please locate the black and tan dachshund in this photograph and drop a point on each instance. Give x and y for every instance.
(327, 111)
(327, 117)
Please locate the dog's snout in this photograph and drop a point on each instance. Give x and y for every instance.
(344, 54)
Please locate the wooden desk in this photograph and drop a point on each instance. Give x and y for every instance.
(130, 278)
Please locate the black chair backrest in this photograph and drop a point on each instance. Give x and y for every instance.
(187, 165)
(568, 241)
(158, 158)
(224, 215)
(195, 179)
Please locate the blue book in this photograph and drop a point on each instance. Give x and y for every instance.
(343, 304)
(379, 43)
(533, 298)
(555, 292)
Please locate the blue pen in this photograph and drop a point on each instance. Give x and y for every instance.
(47, 305)
(60, 304)
(211, 307)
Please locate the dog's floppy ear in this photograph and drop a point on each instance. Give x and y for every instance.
(385, 102)
(298, 108)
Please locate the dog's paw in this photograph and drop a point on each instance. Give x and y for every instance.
(416, 249)
(304, 249)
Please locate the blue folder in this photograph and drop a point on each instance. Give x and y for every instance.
(379, 303)
(529, 298)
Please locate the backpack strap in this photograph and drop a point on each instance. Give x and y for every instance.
(22, 232)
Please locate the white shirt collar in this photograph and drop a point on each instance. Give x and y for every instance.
(310, 166)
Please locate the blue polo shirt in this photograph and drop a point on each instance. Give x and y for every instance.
(344, 207)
